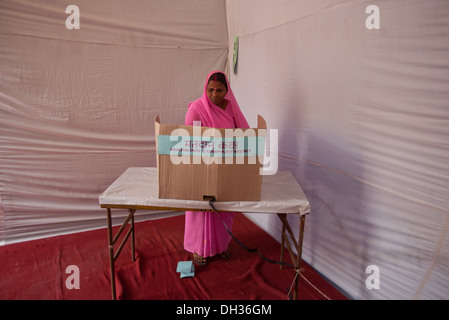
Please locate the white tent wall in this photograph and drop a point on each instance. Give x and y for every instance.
(362, 117)
(363, 123)
(77, 106)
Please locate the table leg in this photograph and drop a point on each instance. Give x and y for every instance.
(302, 222)
(112, 240)
(111, 254)
(133, 243)
(282, 245)
(286, 229)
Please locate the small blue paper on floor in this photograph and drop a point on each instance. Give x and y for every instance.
(186, 269)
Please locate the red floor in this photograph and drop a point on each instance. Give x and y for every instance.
(37, 269)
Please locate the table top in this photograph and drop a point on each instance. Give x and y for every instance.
(138, 188)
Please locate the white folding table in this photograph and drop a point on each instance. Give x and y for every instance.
(137, 189)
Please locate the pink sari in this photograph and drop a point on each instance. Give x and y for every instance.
(205, 233)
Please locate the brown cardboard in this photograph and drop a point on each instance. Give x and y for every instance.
(198, 179)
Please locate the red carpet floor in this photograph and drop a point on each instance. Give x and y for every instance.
(36, 270)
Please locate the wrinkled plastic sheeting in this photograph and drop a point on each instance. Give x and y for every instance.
(77, 107)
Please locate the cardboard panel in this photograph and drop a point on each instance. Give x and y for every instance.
(188, 169)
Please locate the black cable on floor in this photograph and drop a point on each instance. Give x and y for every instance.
(298, 271)
(245, 247)
(256, 250)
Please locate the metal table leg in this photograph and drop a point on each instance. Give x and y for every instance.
(112, 240)
(297, 245)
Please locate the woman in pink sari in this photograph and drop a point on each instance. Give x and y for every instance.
(205, 235)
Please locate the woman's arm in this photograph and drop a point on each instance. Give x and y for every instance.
(191, 115)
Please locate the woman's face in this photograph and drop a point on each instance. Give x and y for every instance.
(216, 92)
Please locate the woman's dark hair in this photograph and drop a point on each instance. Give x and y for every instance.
(220, 77)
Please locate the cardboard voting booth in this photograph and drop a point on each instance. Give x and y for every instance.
(197, 163)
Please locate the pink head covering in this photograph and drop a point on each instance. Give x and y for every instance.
(212, 115)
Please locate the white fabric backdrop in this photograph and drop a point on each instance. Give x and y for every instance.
(77, 107)
(362, 118)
